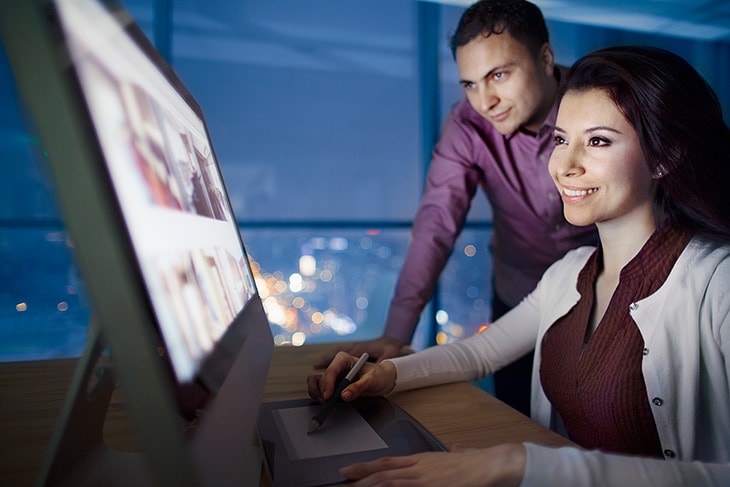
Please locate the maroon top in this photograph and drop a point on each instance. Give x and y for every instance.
(597, 387)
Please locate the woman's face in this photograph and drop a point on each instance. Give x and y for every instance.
(597, 164)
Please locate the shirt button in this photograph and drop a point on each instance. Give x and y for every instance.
(551, 196)
(558, 227)
(634, 306)
(669, 454)
(657, 401)
(542, 157)
(645, 351)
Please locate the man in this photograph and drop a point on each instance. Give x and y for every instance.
(499, 138)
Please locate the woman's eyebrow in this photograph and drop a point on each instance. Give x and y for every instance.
(592, 129)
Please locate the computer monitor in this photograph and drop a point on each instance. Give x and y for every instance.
(172, 293)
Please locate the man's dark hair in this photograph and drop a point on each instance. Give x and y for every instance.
(522, 19)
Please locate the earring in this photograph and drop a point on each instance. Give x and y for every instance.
(658, 173)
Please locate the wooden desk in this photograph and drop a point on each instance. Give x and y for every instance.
(455, 413)
(31, 395)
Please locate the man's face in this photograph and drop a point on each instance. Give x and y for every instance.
(505, 83)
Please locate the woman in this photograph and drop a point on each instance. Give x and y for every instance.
(631, 339)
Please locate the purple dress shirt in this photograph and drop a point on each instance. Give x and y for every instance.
(529, 233)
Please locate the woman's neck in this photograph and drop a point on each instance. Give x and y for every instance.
(621, 241)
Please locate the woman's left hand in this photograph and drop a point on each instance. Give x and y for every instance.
(502, 465)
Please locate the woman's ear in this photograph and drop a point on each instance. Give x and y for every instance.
(659, 172)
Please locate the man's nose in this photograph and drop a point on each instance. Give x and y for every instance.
(487, 98)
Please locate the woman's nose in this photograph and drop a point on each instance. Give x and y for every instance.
(565, 162)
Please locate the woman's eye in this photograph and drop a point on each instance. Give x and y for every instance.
(559, 140)
(597, 141)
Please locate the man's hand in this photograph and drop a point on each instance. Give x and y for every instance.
(379, 349)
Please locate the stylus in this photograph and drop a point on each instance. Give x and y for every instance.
(330, 403)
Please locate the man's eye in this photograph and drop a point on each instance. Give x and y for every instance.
(499, 75)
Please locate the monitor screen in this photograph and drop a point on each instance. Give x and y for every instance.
(167, 274)
(163, 171)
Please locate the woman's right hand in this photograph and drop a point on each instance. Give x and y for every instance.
(379, 349)
(373, 380)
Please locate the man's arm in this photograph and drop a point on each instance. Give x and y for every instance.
(450, 186)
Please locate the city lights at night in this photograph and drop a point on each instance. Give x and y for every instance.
(333, 286)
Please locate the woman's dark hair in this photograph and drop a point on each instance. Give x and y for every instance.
(679, 122)
(522, 19)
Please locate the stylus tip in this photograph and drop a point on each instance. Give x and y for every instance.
(313, 425)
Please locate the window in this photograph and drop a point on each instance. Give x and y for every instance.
(316, 114)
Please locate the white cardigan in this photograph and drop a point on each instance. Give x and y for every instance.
(685, 325)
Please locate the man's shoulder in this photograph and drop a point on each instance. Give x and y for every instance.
(468, 120)
(462, 110)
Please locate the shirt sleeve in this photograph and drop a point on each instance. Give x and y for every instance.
(451, 184)
(547, 467)
(508, 339)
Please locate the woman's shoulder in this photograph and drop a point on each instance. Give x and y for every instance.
(704, 263)
(708, 250)
(575, 257)
(567, 267)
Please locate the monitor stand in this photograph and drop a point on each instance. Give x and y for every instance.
(219, 449)
(77, 453)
